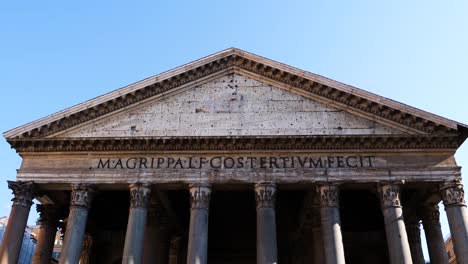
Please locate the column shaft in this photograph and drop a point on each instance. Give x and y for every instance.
(156, 245)
(48, 229)
(81, 198)
(414, 239)
(13, 236)
(397, 239)
(265, 197)
(134, 238)
(454, 200)
(331, 225)
(435, 240)
(198, 231)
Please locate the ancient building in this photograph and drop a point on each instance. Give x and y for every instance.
(235, 158)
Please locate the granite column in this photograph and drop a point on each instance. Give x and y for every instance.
(453, 197)
(48, 223)
(81, 198)
(397, 239)
(134, 238)
(13, 237)
(331, 224)
(198, 232)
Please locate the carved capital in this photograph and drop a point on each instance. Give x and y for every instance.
(389, 195)
(265, 195)
(413, 231)
(200, 194)
(139, 195)
(23, 193)
(328, 195)
(453, 194)
(430, 215)
(81, 196)
(48, 215)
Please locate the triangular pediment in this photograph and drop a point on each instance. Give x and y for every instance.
(230, 105)
(271, 99)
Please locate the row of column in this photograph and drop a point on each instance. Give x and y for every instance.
(399, 246)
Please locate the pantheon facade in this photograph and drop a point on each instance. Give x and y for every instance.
(235, 158)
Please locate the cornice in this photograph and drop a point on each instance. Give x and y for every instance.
(347, 97)
(237, 143)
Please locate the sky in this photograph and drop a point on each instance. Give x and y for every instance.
(55, 54)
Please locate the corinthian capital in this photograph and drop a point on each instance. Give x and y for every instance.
(328, 195)
(389, 195)
(430, 215)
(48, 214)
(23, 192)
(265, 194)
(81, 195)
(200, 194)
(453, 193)
(139, 195)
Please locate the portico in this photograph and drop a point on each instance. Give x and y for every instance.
(235, 158)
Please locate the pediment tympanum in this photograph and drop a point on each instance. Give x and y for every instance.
(231, 105)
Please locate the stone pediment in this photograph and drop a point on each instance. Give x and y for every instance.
(231, 105)
(271, 99)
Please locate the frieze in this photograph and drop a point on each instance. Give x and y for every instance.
(220, 162)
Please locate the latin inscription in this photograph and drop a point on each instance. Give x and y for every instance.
(236, 162)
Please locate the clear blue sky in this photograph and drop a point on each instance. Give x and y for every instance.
(54, 54)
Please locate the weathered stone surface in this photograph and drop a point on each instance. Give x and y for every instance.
(231, 105)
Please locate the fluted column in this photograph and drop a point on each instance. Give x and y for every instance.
(265, 198)
(13, 237)
(430, 217)
(48, 221)
(331, 224)
(81, 198)
(413, 229)
(156, 246)
(397, 239)
(453, 197)
(134, 238)
(198, 232)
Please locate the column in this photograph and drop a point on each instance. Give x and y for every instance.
(13, 237)
(48, 221)
(134, 238)
(265, 198)
(198, 232)
(453, 197)
(81, 198)
(397, 239)
(413, 229)
(331, 225)
(86, 249)
(435, 240)
(174, 250)
(156, 245)
(311, 224)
